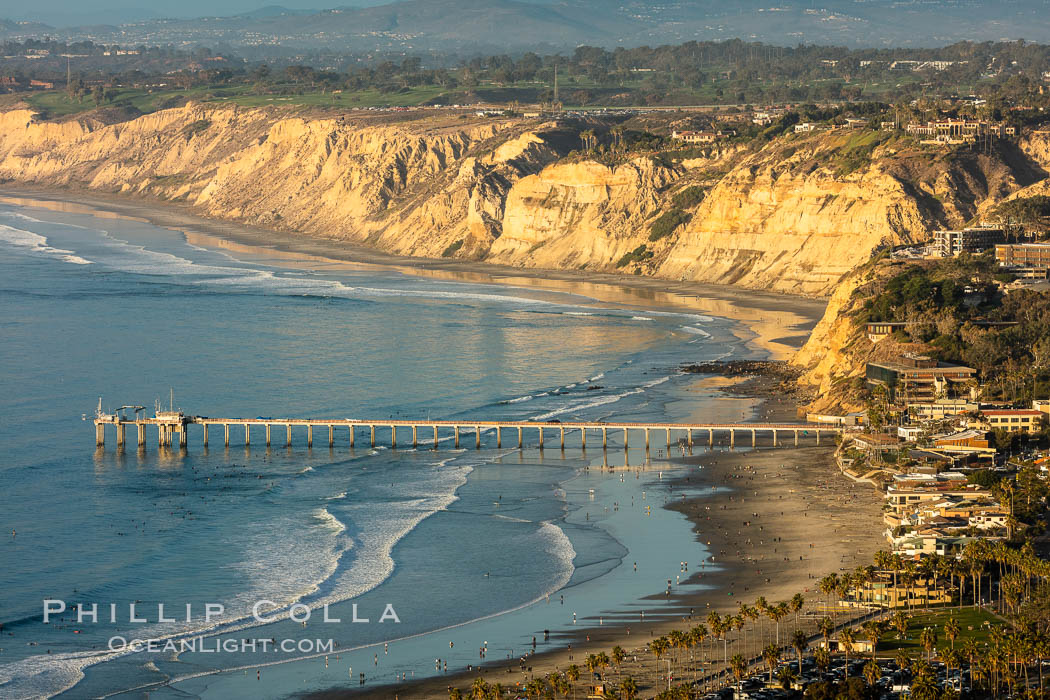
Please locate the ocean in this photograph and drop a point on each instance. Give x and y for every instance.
(471, 549)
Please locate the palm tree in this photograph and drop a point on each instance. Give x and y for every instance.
(603, 661)
(676, 640)
(786, 675)
(846, 641)
(826, 627)
(454, 694)
(822, 658)
(928, 640)
(699, 634)
(573, 674)
(799, 640)
(628, 688)
(951, 630)
(592, 664)
(900, 623)
(618, 657)
(658, 646)
(479, 688)
(872, 672)
(797, 601)
(771, 655)
(739, 667)
(873, 630)
(828, 585)
(534, 688)
(776, 614)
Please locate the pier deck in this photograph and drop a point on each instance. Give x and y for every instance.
(169, 425)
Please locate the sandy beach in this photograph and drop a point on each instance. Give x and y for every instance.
(776, 323)
(776, 522)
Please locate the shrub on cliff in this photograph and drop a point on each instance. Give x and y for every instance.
(639, 254)
(667, 223)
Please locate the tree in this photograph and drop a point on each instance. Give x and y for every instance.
(573, 674)
(628, 688)
(928, 640)
(771, 655)
(797, 602)
(873, 630)
(618, 657)
(658, 647)
(479, 689)
(951, 630)
(739, 667)
(787, 676)
(900, 623)
(826, 627)
(846, 641)
(822, 658)
(872, 672)
(799, 640)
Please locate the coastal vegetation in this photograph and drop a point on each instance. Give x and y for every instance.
(710, 72)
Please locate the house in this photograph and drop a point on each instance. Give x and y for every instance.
(1013, 420)
(948, 244)
(876, 442)
(699, 136)
(888, 591)
(854, 418)
(879, 330)
(1024, 255)
(911, 433)
(941, 409)
(964, 441)
(919, 378)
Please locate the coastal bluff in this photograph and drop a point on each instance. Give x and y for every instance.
(792, 215)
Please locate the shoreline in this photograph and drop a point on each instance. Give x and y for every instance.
(777, 323)
(727, 520)
(733, 525)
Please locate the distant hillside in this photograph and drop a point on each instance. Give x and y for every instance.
(508, 25)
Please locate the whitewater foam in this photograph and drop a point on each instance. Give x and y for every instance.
(35, 243)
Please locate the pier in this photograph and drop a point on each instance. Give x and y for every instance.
(174, 425)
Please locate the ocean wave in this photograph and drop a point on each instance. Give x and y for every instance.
(585, 404)
(35, 243)
(557, 545)
(640, 318)
(696, 331)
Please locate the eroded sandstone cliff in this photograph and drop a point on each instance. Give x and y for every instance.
(792, 215)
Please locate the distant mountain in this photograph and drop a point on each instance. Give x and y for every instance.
(514, 25)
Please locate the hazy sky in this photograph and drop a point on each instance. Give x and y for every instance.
(65, 12)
